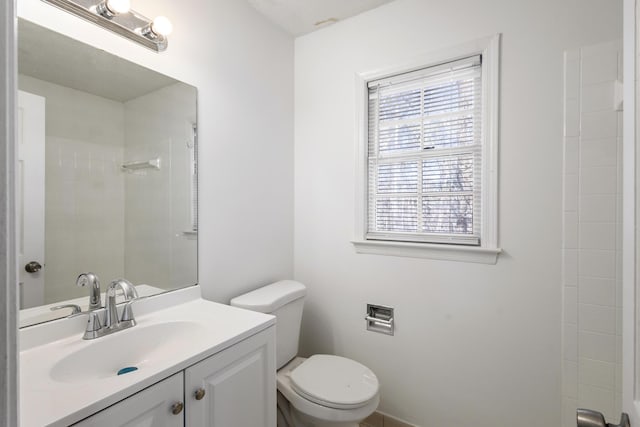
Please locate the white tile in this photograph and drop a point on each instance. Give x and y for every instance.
(570, 230)
(571, 154)
(599, 152)
(597, 235)
(617, 407)
(570, 304)
(570, 267)
(570, 379)
(618, 321)
(597, 318)
(595, 290)
(597, 346)
(572, 78)
(598, 180)
(570, 344)
(595, 263)
(569, 409)
(595, 398)
(571, 189)
(619, 293)
(620, 183)
(597, 97)
(597, 373)
(599, 68)
(599, 49)
(572, 118)
(598, 125)
(598, 208)
(618, 376)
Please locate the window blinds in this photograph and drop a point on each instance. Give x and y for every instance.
(424, 155)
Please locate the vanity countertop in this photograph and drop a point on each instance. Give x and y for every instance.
(53, 393)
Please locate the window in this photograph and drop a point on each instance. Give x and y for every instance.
(429, 158)
(192, 145)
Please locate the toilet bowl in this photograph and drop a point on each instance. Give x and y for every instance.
(319, 391)
(326, 391)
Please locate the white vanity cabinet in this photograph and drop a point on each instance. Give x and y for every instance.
(151, 407)
(235, 387)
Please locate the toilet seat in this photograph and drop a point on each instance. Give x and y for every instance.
(334, 382)
(321, 412)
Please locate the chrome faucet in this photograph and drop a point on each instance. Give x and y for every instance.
(91, 280)
(111, 322)
(111, 312)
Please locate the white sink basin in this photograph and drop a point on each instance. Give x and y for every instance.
(137, 347)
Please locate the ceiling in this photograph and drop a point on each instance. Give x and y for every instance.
(298, 17)
(50, 56)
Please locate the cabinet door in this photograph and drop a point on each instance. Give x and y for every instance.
(152, 407)
(239, 386)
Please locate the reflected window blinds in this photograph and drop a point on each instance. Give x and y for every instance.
(425, 154)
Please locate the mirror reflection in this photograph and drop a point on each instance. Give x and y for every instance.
(108, 171)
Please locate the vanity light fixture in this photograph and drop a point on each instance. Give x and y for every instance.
(117, 16)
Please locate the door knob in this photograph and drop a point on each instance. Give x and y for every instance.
(589, 418)
(33, 267)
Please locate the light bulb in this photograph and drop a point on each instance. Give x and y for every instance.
(118, 6)
(161, 26)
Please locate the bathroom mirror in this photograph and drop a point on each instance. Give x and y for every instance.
(108, 174)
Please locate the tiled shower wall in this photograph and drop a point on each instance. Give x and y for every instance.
(591, 252)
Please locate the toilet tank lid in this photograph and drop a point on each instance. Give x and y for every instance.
(269, 298)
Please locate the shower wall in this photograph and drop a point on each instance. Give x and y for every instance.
(591, 277)
(160, 246)
(84, 188)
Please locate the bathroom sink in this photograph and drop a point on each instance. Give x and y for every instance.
(139, 347)
(68, 379)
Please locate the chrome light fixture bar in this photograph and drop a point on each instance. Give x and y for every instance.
(115, 15)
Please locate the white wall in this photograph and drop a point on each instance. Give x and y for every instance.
(84, 194)
(157, 202)
(475, 345)
(243, 69)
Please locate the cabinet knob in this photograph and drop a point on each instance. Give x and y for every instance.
(200, 393)
(177, 408)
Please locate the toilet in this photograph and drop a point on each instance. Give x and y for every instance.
(322, 390)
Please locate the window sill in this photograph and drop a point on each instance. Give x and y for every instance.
(429, 251)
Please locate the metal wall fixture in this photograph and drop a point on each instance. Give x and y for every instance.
(380, 319)
(117, 16)
(141, 164)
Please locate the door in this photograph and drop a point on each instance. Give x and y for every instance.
(30, 198)
(236, 387)
(160, 405)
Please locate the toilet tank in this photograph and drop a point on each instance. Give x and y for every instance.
(285, 300)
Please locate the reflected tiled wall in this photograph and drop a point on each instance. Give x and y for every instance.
(592, 229)
(84, 202)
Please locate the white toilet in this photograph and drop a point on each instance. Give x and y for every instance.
(323, 390)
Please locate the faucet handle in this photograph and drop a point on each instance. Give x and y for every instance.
(93, 326)
(127, 313)
(75, 309)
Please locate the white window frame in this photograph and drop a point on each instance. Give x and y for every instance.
(487, 252)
